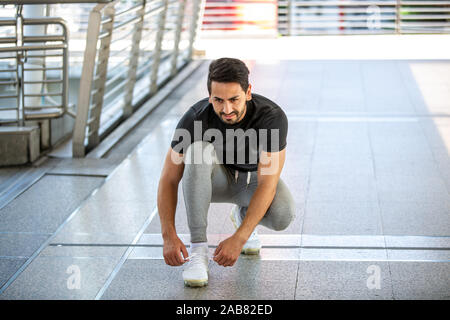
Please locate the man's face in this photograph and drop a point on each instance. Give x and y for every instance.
(229, 101)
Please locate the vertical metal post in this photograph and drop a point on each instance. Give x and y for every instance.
(22, 87)
(65, 97)
(198, 10)
(100, 79)
(398, 6)
(134, 58)
(18, 79)
(86, 81)
(35, 76)
(179, 26)
(19, 65)
(158, 48)
(289, 18)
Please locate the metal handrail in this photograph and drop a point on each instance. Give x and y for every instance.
(221, 17)
(21, 2)
(20, 47)
(297, 17)
(110, 73)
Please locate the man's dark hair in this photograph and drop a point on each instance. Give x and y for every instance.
(228, 70)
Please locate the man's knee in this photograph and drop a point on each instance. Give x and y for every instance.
(284, 218)
(282, 210)
(200, 152)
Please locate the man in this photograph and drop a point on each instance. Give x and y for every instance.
(227, 148)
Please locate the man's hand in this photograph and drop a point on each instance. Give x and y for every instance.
(173, 247)
(228, 251)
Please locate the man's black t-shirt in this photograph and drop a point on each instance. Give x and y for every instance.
(238, 146)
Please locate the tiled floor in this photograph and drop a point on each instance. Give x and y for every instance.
(367, 163)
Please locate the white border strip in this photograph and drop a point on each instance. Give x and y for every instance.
(292, 247)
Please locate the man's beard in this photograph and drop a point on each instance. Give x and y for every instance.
(236, 119)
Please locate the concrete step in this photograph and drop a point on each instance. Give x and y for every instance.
(19, 145)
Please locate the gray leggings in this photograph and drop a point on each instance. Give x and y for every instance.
(207, 181)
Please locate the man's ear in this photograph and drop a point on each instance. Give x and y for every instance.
(248, 95)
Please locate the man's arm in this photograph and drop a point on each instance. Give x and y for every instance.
(269, 171)
(167, 202)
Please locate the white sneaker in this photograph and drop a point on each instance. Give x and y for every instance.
(253, 245)
(195, 273)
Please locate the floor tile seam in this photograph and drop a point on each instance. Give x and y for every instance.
(399, 248)
(382, 251)
(25, 233)
(26, 180)
(125, 256)
(376, 185)
(303, 243)
(48, 241)
(367, 114)
(17, 177)
(311, 159)
(296, 280)
(415, 107)
(341, 202)
(358, 177)
(387, 251)
(76, 174)
(79, 257)
(11, 180)
(316, 235)
(356, 260)
(348, 119)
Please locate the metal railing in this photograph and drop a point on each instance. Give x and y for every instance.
(296, 17)
(33, 71)
(308, 17)
(132, 48)
(242, 15)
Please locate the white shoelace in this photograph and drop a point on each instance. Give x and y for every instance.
(196, 255)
